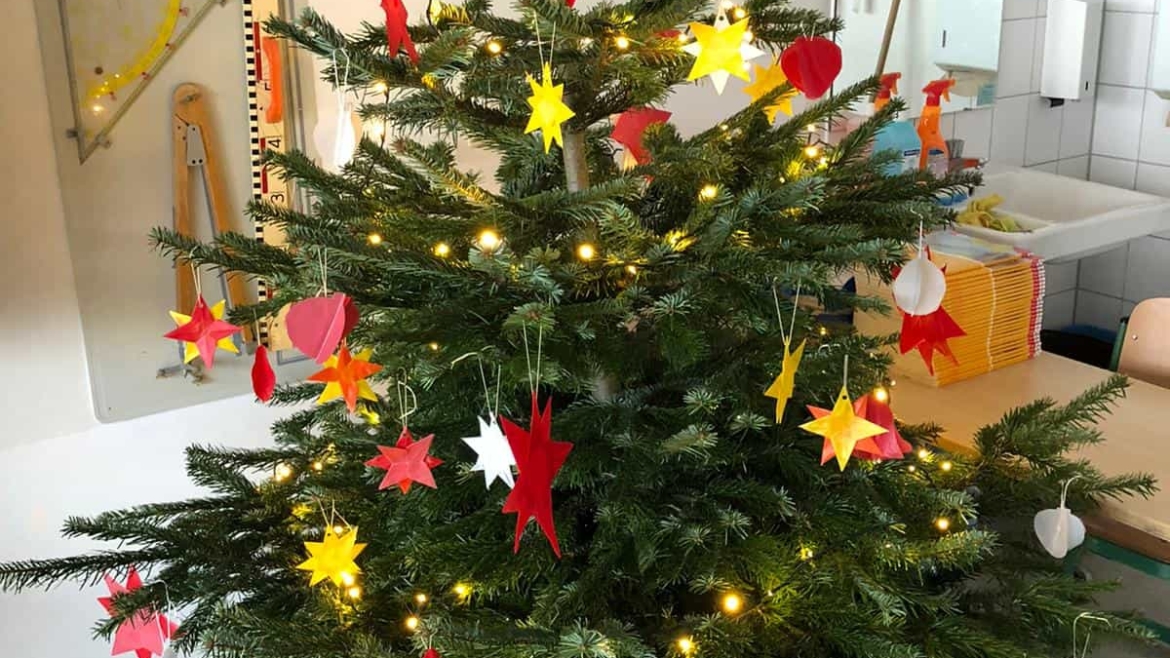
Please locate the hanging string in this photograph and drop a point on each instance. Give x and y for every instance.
(539, 44)
(539, 346)
(195, 275)
(1089, 634)
(845, 378)
(324, 258)
(787, 337)
(408, 402)
(1064, 489)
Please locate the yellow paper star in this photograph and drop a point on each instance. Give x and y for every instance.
(548, 109)
(768, 79)
(785, 383)
(720, 51)
(333, 558)
(190, 351)
(842, 427)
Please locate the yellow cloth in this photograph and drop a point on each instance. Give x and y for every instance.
(981, 212)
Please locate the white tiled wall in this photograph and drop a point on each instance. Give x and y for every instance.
(1130, 149)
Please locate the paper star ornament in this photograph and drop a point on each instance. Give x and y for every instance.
(333, 557)
(345, 376)
(841, 428)
(721, 50)
(146, 633)
(407, 462)
(929, 334)
(548, 108)
(767, 80)
(190, 350)
(785, 383)
(397, 36)
(493, 454)
(628, 129)
(539, 459)
(203, 332)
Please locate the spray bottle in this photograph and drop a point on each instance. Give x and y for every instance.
(935, 157)
(898, 136)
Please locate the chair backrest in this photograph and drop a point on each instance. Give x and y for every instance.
(1145, 347)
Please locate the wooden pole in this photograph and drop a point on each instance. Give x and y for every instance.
(576, 165)
(891, 21)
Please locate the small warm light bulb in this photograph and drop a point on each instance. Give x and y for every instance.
(495, 47)
(354, 592)
(946, 466)
(740, 13)
(881, 394)
(420, 598)
(685, 645)
(823, 331)
(632, 270)
(381, 87)
(442, 249)
(912, 468)
(923, 453)
(812, 151)
(489, 240)
(806, 553)
(434, 346)
(708, 192)
(412, 623)
(347, 579)
(318, 466)
(731, 603)
(283, 472)
(621, 42)
(942, 523)
(461, 590)
(337, 530)
(586, 251)
(374, 239)
(97, 109)
(723, 127)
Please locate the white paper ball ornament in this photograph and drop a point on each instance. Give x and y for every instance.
(336, 134)
(1058, 529)
(920, 287)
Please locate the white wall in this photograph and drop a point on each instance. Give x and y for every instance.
(1131, 149)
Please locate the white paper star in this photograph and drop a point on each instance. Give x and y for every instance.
(747, 52)
(494, 455)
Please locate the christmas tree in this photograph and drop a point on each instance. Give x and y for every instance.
(611, 326)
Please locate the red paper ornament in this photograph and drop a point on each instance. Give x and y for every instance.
(890, 445)
(204, 331)
(632, 124)
(570, 3)
(408, 461)
(263, 378)
(397, 36)
(812, 64)
(145, 633)
(539, 459)
(929, 334)
(431, 652)
(316, 326)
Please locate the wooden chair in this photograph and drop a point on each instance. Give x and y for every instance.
(1143, 346)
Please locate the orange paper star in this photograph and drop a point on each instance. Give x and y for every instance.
(345, 376)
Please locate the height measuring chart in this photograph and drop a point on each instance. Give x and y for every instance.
(268, 128)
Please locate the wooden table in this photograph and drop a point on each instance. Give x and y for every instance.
(1137, 435)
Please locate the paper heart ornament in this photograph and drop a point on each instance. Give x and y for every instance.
(1058, 529)
(812, 64)
(316, 326)
(920, 287)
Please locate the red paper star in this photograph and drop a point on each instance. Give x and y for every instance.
(407, 462)
(632, 124)
(929, 334)
(203, 331)
(345, 377)
(397, 36)
(539, 459)
(146, 632)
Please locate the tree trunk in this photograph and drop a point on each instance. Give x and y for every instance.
(576, 166)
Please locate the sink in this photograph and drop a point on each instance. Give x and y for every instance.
(1068, 218)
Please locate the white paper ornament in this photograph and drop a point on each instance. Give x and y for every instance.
(1058, 529)
(336, 135)
(494, 455)
(920, 287)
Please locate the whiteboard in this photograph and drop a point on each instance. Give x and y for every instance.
(121, 192)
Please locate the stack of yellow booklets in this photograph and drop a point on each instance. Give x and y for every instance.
(994, 292)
